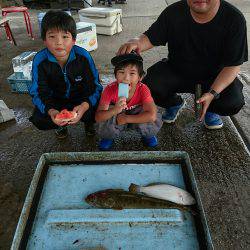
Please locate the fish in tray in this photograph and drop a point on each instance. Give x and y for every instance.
(120, 199)
(164, 192)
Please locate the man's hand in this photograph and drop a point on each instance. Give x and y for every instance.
(139, 44)
(132, 44)
(52, 113)
(80, 110)
(120, 105)
(205, 100)
(121, 119)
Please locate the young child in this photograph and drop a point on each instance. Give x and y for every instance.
(64, 76)
(138, 111)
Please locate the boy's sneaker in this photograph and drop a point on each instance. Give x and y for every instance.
(105, 144)
(172, 113)
(151, 141)
(89, 128)
(61, 132)
(213, 121)
(109, 4)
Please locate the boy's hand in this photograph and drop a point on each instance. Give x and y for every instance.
(121, 119)
(52, 113)
(80, 110)
(120, 105)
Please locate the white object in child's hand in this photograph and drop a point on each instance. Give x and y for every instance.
(123, 89)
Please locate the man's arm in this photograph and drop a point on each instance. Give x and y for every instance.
(139, 44)
(223, 80)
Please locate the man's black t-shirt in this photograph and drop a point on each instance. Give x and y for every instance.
(201, 51)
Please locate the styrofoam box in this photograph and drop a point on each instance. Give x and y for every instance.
(115, 28)
(19, 61)
(86, 35)
(107, 20)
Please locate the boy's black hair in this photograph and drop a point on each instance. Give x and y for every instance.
(57, 19)
(123, 64)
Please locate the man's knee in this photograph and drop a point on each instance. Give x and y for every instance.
(232, 99)
(234, 107)
(229, 107)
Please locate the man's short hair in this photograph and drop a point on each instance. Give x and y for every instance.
(57, 19)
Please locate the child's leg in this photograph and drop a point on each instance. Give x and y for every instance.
(109, 129)
(148, 129)
(89, 116)
(42, 121)
(89, 119)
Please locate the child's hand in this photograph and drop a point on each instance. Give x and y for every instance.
(80, 110)
(52, 113)
(121, 119)
(120, 105)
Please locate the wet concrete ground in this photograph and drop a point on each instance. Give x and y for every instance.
(219, 158)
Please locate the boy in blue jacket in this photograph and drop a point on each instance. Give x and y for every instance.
(64, 76)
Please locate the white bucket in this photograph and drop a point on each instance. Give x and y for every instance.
(87, 3)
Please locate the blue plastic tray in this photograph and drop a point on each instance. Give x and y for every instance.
(19, 84)
(55, 215)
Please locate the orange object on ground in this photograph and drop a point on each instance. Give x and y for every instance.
(66, 115)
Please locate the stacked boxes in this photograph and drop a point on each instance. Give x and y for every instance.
(20, 80)
(107, 20)
(22, 64)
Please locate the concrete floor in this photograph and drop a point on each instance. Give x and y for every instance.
(219, 158)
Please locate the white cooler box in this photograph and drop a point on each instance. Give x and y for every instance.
(107, 20)
(86, 35)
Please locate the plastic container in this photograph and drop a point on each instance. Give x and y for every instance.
(107, 20)
(19, 61)
(19, 84)
(27, 69)
(56, 216)
(110, 30)
(87, 3)
(86, 36)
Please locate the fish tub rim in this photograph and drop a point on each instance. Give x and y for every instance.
(111, 157)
